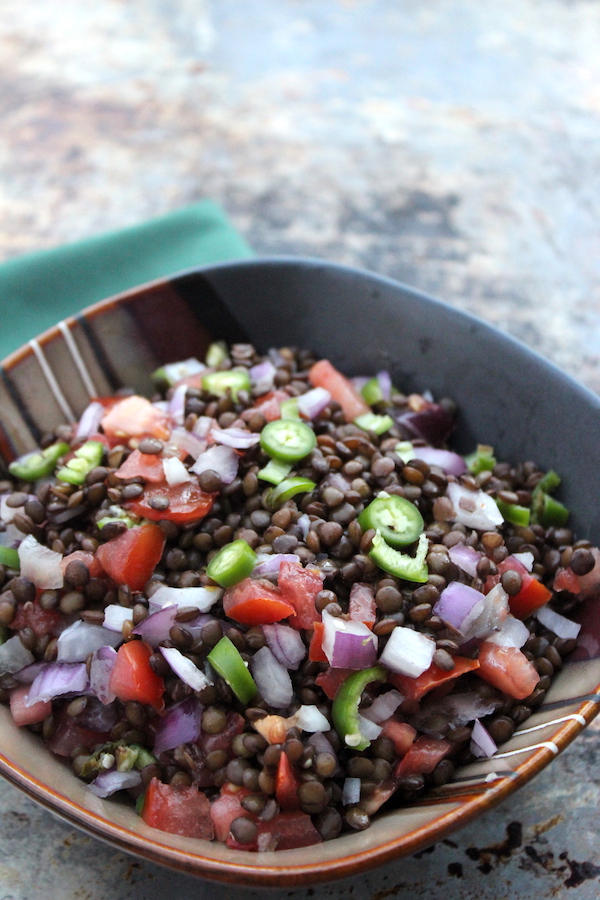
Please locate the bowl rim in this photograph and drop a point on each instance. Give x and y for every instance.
(289, 874)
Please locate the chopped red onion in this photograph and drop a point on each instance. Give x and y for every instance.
(187, 441)
(272, 679)
(89, 422)
(267, 564)
(321, 743)
(526, 559)
(483, 621)
(432, 423)
(111, 781)
(383, 707)
(203, 426)
(56, 679)
(312, 403)
(334, 479)
(385, 384)
(262, 376)
(202, 598)
(482, 743)
(561, 626)
(185, 668)
(408, 652)
(175, 471)
(465, 557)
(310, 719)
(115, 617)
(28, 674)
(98, 716)
(351, 791)
(176, 408)
(450, 462)
(368, 728)
(348, 644)
(475, 509)
(304, 524)
(181, 724)
(222, 460)
(80, 639)
(101, 667)
(455, 603)
(40, 564)
(156, 627)
(14, 656)
(514, 633)
(285, 643)
(238, 438)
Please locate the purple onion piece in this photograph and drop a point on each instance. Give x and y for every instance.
(304, 524)
(286, 644)
(102, 664)
(187, 441)
(89, 421)
(482, 743)
(156, 627)
(466, 558)
(27, 674)
(561, 626)
(447, 460)
(220, 459)
(176, 407)
(312, 403)
(181, 724)
(262, 376)
(272, 679)
(185, 668)
(111, 781)
(385, 384)
(455, 603)
(433, 423)
(98, 716)
(268, 565)
(238, 438)
(80, 639)
(14, 657)
(57, 679)
(203, 426)
(348, 644)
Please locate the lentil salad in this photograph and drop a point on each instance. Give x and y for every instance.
(270, 600)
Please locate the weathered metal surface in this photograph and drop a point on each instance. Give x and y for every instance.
(451, 144)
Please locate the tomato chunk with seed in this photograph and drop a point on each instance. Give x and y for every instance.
(423, 756)
(415, 688)
(135, 417)
(132, 557)
(324, 375)
(255, 602)
(187, 502)
(533, 593)
(27, 715)
(287, 831)
(299, 587)
(507, 669)
(226, 808)
(286, 785)
(144, 465)
(401, 734)
(132, 678)
(178, 809)
(362, 606)
(41, 621)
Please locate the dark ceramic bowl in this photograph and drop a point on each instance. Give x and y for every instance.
(508, 397)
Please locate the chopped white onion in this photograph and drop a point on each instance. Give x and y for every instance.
(487, 617)
(80, 639)
(222, 460)
(383, 706)
(561, 626)
(304, 523)
(238, 438)
(115, 617)
(408, 652)
(103, 661)
(175, 471)
(285, 643)
(526, 559)
(40, 564)
(475, 509)
(368, 728)
(177, 404)
(482, 743)
(348, 644)
(351, 791)
(272, 679)
(203, 425)
(311, 719)
(185, 668)
(261, 376)
(202, 598)
(183, 369)
(514, 633)
(14, 656)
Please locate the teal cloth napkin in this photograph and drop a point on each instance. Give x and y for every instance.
(39, 289)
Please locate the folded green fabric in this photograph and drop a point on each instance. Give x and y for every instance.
(39, 289)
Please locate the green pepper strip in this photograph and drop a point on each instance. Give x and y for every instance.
(219, 383)
(227, 662)
(372, 422)
(546, 510)
(346, 703)
(411, 568)
(232, 563)
(38, 465)
(405, 450)
(372, 393)
(9, 557)
(216, 354)
(127, 757)
(288, 489)
(512, 512)
(289, 409)
(86, 458)
(275, 471)
(482, 460)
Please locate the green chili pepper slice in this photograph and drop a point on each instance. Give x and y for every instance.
(514, 513)
(216, 354)
(371, 392)
(9, 557)
(405, 450)
(546, 510)
(346, 703)
(288, 489)
(219, 383)
(410, 568)
(275, 471)
(482, 460)
(227, 662)
(397, 519)
(373, 422)
(289, 409)
(86, 458)
(38, 465)
(288, 439)
(232, 563)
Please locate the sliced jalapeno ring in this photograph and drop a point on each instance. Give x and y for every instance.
(234, 380)
(396, 518)
(288, 439)
(232, 563)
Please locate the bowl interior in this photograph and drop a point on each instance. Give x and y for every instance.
(508, 397)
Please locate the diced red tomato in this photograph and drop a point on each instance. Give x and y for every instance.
(286, 785)
(315, 650)
(331, 680)
(187, 503)
(69, 735)
(41, 621)
(324, 375)
(362, 607)
(226, 808)
(507, 669)
(567, 580)
(135, 417)
(27, 715)
(400, 733)
(267, 404)
(533, 593)
(299, 587)
(132, 678)
(289, 830)
(132, 557)
(145, 465)
(255, 602)
(423, 756)
(178, 809)
(415, 688)
(88, 559)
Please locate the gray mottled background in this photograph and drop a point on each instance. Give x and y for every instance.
(453, 145)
